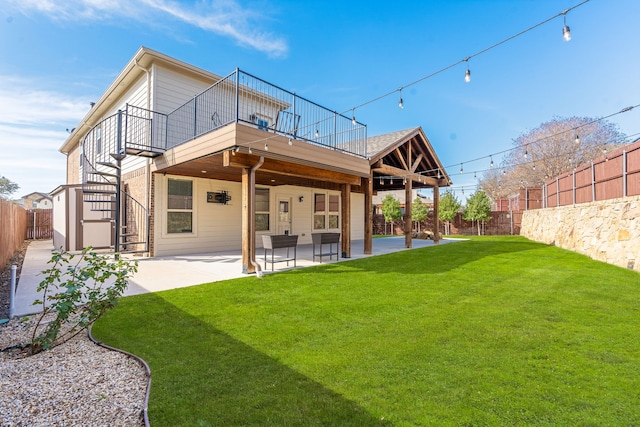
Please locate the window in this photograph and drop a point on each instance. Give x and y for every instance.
(179, 206)
(319, 211)
(262, 209)
(334, 211)
(326, 211)
(99, 139)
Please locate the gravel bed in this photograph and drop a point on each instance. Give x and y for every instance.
(76, 384)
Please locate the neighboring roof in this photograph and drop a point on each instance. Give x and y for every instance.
(37, 193)
(135, 68)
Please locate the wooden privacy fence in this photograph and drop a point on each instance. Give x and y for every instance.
(610, 177)
(501, 223)
(40, 224)
(13, 229)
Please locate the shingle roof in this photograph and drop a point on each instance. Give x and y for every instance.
(376, 144)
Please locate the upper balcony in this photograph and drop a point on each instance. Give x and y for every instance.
(243, 98)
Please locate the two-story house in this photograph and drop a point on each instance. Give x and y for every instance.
(173, 159)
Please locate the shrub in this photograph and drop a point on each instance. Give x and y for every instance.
(76, 293)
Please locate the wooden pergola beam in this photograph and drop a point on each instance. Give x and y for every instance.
(383, 169)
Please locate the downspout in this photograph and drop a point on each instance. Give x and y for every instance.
(252, 216)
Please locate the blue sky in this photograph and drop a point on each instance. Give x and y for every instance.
(57, 56)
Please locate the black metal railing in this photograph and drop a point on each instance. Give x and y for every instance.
(242, 97)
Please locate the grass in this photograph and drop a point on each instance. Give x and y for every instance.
(491, 331)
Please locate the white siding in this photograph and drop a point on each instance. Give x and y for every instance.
(218, 228)
(357, 217)
(60, 213)
(172, 89)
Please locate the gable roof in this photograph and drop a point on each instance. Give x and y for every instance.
(392, 149)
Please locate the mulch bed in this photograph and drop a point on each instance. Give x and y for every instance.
(5, 278)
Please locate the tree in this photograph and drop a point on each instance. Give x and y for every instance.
(391, 210)
(7, 188)
(554, 147)
(477, 209)
(447, 210)
(419, 211)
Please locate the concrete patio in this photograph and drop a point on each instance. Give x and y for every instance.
(170, 272)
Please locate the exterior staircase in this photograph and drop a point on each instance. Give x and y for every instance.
(104, 148)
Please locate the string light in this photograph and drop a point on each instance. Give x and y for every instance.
(485, 50)
(404, 181)
(577, 139)
(317, 133)
(250, 151)
(266, 147)
(467, 75)
(290, 141)
(624, 110)
(566, 32)
(400, 103)
(491, 164)
(461, 169)
(381, 181)
(353, 117)
(526, 153)
(439, 174)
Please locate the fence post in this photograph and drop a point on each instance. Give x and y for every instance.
(573, 184)
(593, 182)
(557, 192)
(624, 173)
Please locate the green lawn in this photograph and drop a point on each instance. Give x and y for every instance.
(491, 331)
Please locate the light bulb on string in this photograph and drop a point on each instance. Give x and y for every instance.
(467, 74)
(566, 32)
(461, 169)
(474, 176)
(504, 172)
(577, 139)
(404, 181)
(250, 151)
(381, 181)
(400, 102)
(526, 154)
(439, 175)
(290, 141)
(266, 147)
(491, 164)
(317, 133)
(353, 117)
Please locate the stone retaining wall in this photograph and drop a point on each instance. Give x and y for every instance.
(607, 230)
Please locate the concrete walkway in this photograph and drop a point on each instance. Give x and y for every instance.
(170, 272)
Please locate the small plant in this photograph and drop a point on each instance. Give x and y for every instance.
(76, 294)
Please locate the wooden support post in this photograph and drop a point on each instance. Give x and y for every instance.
(368, 214)
(346, 220)
(408, 205)
(436, 220)
(247, 230)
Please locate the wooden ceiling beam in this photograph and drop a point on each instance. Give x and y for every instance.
(241, 160)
